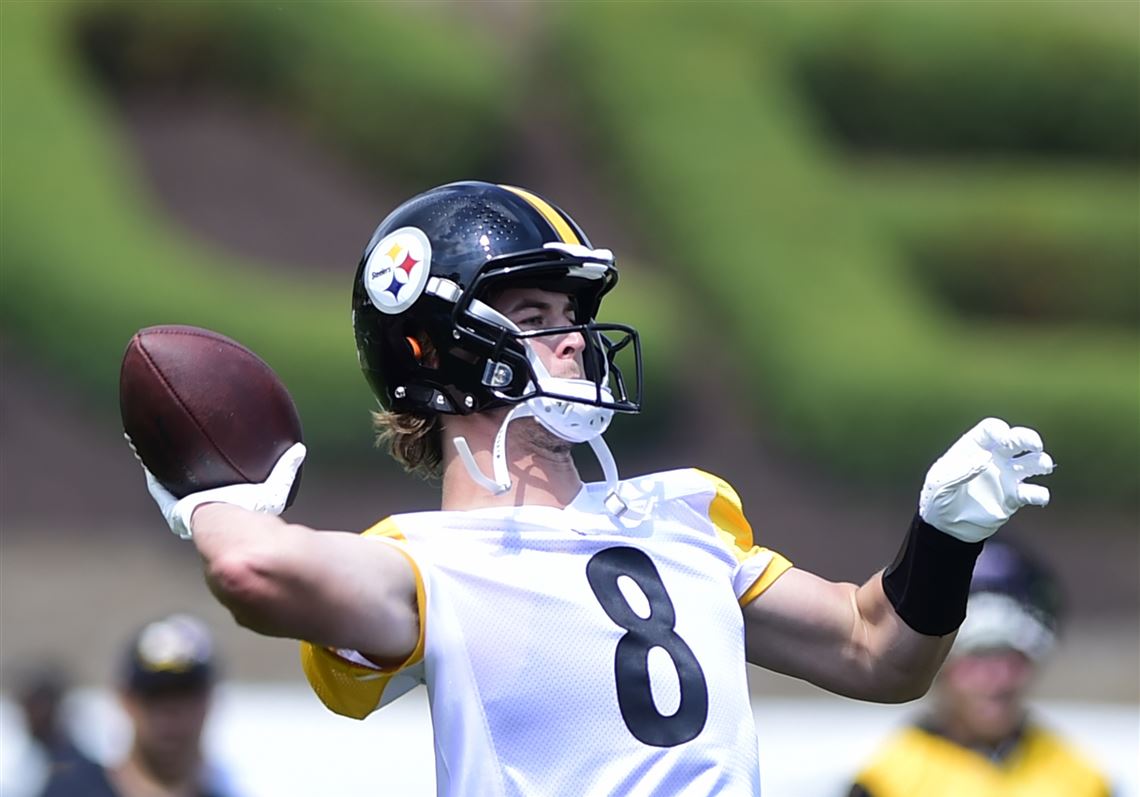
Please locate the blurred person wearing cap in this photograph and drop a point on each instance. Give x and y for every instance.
(166, 682)
(979, 737)
(39, 689)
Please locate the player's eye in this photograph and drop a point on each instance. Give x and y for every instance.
(532, 322)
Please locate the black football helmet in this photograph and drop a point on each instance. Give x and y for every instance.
(429, 340)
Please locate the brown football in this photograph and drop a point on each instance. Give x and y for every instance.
(203, 411)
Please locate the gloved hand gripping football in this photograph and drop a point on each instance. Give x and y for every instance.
(978, 484)
(268, 496)
(210, 421)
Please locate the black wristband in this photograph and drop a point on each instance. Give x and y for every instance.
(929, 581)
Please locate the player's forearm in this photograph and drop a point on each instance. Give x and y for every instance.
(900, 662)
(245, 556)
(910, 612)
(840, 637)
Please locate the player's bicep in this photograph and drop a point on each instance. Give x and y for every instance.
(360, 594)
(804, 626)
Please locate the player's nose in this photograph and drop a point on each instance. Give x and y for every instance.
(571, 344)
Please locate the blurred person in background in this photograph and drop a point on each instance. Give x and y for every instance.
(166, 683)
(574, 638)
(39, 690)
(979, 738)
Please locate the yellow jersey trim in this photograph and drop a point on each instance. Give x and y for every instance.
(350, 688)
(726, 512)
(564, 230)
(776, 568)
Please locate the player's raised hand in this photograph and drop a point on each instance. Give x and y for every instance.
(975, 487)
(269, 496)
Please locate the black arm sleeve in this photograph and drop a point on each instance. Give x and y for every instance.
(929, 581)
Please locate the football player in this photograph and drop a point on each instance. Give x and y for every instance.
(978, 738)
(574, 638)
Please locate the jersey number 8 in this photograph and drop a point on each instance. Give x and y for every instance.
(631, 660)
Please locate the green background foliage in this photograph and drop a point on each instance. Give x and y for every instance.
(897, 222)
(807, 242)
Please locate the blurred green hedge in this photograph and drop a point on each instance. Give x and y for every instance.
(1057, 79)
(408, 95)
(759, 214)
(842, 285)
(1029, 244)
(88, 257)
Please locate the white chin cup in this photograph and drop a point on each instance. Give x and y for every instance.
(568, 417)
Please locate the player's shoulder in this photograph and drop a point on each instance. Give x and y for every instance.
(441, 529)
(704, 494)
(683, 484)
(387, 528)
(407, 526)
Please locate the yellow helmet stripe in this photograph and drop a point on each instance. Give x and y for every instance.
(564, 230)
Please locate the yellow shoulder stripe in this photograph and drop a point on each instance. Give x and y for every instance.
(385, 528)
(351, 689)
(776, 568)
(564, 230)
(727, 514)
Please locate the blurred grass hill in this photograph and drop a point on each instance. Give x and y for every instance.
(899, 218)
(846, 230)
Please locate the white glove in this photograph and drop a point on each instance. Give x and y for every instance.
(978, 484)
(268, 496)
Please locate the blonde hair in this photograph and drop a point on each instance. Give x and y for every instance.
(415, 441)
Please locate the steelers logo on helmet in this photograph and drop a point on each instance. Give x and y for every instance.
(397, 270)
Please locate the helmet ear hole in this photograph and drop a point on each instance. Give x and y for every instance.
(422, 351)
(417, 349)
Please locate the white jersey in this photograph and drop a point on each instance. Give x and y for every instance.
(566, 651)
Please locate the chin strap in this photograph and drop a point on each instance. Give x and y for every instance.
(501, 481)
(614, 504)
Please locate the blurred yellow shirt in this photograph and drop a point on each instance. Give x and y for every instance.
(917, 763)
